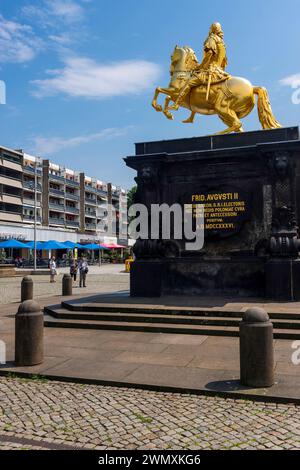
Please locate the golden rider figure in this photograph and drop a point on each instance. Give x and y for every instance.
(212, 68)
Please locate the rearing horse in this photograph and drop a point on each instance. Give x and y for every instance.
(230, 99)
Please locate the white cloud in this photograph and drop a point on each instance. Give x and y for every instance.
(47, 146)
(53, 11)
(83, 77)
(18, 43)
(291, 80)
(68, 10)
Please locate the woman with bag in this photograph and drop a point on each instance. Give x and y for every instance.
(73, 269)
(52, 266)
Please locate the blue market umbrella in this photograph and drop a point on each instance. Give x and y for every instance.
(72, 245)
(30, 245)
(53, 245)
(94, 246)
(12, 244)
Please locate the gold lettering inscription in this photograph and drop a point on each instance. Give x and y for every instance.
(220, 209)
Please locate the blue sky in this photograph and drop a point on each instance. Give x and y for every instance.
(80, 74)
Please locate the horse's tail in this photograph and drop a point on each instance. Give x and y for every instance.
(265, 113)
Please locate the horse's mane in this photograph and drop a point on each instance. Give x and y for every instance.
(191, 60)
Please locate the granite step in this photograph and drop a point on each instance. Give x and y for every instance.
(224, 320)
(158, 310)
(155, 327)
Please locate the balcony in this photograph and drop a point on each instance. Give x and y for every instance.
(57, 192)
(30, 185)
(30, 202)
(101, 192)
(56, 221)
(89, 226)
(59, 178)
(72, 183)
(73, 197)
(31, 170)
(91, 201)
(91, 189)
(90, 213)
(30, 218)
(56, 207)
(72, 223)
(72, 210)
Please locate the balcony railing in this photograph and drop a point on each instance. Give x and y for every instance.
(72, 223)
(31, 218)
(30, 169)
(56, 207)
(57, 192)
(73, 210)
(30, 185)
(89, 200)
(90, 213)
(102, 192)
(72, 196)
(90, 189)
(56, 221)
(30, 202)
(57, 178)
(90, 226)
(72, 182)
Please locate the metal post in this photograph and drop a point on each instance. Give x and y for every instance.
(35, 214)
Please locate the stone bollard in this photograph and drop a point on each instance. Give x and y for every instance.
(67, 284)
(26, 288)
(256, 349)
(29, 334)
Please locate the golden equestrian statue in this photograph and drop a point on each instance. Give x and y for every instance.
(207, 88)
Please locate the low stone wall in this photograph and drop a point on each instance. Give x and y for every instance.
(7, 270)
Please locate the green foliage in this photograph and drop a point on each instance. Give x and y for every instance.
(130, 196)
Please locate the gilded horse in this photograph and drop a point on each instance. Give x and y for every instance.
(231, 99)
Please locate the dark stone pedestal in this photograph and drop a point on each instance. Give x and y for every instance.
(283, 279)
(146, 279)
(249, 185)
(242, 277)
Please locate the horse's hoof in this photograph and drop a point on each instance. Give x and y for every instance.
(157, 107)
(188, 121)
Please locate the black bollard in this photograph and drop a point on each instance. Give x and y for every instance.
(256, 349)
(67, 284)
(29, 333)
(26, 288)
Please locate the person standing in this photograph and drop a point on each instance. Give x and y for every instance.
(52, 266)
(73, 269)
(83, 270)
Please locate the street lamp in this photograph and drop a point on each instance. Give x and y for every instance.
(36, 166)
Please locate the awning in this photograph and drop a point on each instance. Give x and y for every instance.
(94, 246)
(30, 245)
(12, 244)
(53, 245)
(113, 245)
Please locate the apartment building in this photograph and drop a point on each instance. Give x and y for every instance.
(70, 204)
(11, 186)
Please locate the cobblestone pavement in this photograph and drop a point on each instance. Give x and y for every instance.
(107, 278)
(46, 414)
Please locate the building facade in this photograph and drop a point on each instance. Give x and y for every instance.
(70, 205)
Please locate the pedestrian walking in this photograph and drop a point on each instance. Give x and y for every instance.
(53, 271)
(73, 269)
(83, 270)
